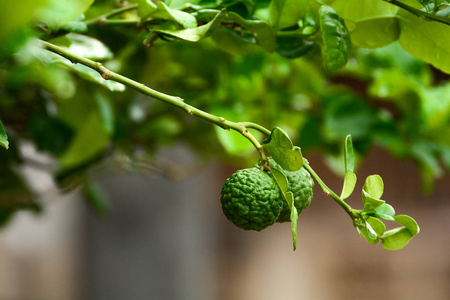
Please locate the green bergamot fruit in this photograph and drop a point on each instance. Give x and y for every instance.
(251, 199)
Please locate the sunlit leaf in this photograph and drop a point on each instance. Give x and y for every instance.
(349, 155)
(280, 147)
(374, 186)
(349, 185)
(57, 13)
(197, 33)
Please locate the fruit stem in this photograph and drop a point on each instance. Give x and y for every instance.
(328, 191)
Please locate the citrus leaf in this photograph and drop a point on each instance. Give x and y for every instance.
(375, 23)
(374, 186)
(106, 112)
(280, 147)
(376, 225)
(399, 237)
(263, 33)
(349, 154)
(385, 211)
(292, 47)
(396, 238)
(197, 33)
(408, 222)
(88, 47)
(428, 41)
(370, 203)
(57, 13)
(146, 8)
(286, 13)
(336, 39)
(349, 185)
(232, 42)
(294, 218)
(370, 232)
(183, 18)
(3, 137)
(282, 182)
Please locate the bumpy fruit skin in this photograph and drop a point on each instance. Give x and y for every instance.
(251, 199)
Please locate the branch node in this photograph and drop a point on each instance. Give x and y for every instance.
(190, 112)
(222, 119)
(106, 75)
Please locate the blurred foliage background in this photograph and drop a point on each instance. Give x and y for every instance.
(384, 97)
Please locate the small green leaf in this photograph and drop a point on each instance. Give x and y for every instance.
(369, 202)
(294, 218)
(146, 8)
(408, 222)
(3, 137)
(280, 147)
(370, 232)
(349, 185)
(293, 47)
(349, 154)
(336, 39)
(281, 180)
(385, 211)
(106, 112)
(396, 238)
(183, 18)
(399, 237)
(286, 13)
(263, 33)
(377, 225)
(374, 186)
(197, 33)
(88, 47)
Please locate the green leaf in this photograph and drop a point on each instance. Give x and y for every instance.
(78, 25)
(428, 41)
(294, 218)
(3, 137)
(106, 112)
(88, 142)
(286, 13)
(233, 42)
(282, 182)
(88, 47)
(349, 185)
(292, 47)
(336, 39)
(370, 203)
(280, 147)
(197, 33)
(385, 211)
(263, 33)
(183, 18)
(146, 8)
(399, 237)
(374, 186)
(349, 154)
(57, 13)
(375, 23)
(396, 238)
(408, 222)
(370, 232)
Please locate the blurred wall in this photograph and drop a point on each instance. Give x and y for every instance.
(166, 239)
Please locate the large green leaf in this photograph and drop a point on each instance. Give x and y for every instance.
(3, 137)
(57, 13)
(428, 41)
(337, 45)
(166, 13)
(263, 33)
(374, 186)
(285, 13)
(197, 33)
(90, 140)
(399, 237)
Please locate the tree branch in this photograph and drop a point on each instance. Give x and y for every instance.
(421, 14)
(175, 101)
